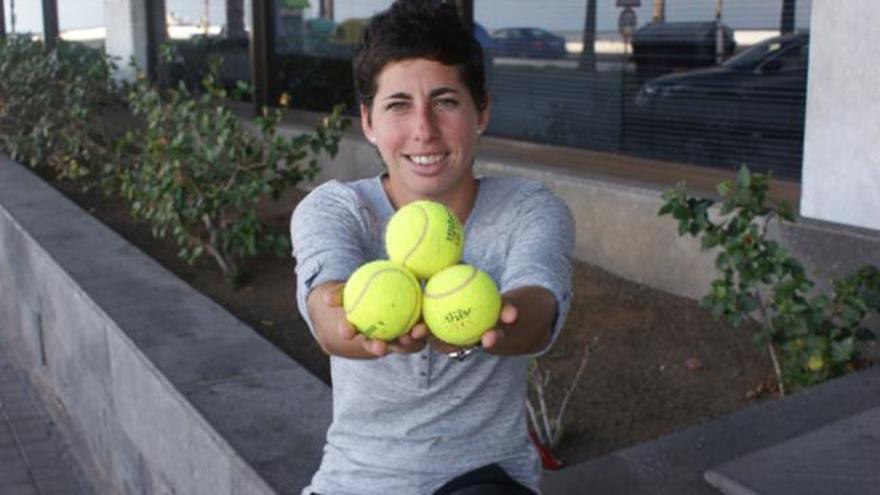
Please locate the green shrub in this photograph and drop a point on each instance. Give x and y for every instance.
(200, 174)
(189, 60)
(810, 337)
(51, 105)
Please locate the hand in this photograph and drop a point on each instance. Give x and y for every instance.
(412, 341)
(491, 338)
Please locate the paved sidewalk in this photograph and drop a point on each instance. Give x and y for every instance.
(31, 454)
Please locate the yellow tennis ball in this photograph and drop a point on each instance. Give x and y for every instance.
(425, 237)
(460, 304)
(382, 299)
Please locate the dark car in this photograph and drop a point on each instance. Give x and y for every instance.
(752, 103)
(528, 42)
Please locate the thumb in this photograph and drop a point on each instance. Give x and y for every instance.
(333, 296)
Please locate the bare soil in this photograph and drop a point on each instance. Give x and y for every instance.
(657, 362)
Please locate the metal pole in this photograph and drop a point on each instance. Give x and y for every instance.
(157, 34)
(11, 15)
(719, 34)
(235, 19)
(659, 14)
(50, 23)
(587, 61)
(2, 21)
(786, 23)
(327, 9)
(206, 14)
(262, 52)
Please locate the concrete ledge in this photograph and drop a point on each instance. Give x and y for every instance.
(840, 458)
(675, 464)
(160, 389)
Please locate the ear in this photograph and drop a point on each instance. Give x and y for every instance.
(366, 124)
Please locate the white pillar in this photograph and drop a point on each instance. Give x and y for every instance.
(841, 174)
(127, 34)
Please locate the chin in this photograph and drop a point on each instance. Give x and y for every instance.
(435, 186)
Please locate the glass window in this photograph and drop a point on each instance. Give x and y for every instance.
(794, 56)
(199, 31)
(314, 46)
(713, 83)
(83, 22)
(24, 16)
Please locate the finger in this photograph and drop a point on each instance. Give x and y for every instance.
(346, 330)
(491, 338)
(405, 340)
(508, 314)
(333, 296)
(376, 347)
(419, 332)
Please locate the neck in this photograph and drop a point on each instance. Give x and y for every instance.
(461, 201)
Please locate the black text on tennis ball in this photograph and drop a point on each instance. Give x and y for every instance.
(425, 236)
(460, 304)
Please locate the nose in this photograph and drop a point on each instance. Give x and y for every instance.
(425, 125)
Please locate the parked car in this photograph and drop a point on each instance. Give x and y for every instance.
(528, 42)
(752, 103)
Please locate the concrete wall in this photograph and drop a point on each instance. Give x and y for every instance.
(841, 181)
(161, 390)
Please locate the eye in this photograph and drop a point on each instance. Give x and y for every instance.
(446, 103)
(397, 106)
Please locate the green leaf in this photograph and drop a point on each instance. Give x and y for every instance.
(843, 350)
(786, 212)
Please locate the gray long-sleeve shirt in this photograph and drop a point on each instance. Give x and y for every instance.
(406, 424)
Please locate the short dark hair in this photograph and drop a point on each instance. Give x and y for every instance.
(410, 29)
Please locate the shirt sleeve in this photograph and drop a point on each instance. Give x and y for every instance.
(328, 234)
(540, 251)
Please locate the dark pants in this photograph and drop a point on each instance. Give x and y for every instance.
(487, 480)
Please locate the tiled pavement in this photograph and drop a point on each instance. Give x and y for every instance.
(32, 459)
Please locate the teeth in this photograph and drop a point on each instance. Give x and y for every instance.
(426, 159)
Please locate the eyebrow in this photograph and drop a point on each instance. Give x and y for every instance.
(433, 94)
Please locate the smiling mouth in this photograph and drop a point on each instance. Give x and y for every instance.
(427, 160)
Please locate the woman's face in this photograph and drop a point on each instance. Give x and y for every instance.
(425, 124)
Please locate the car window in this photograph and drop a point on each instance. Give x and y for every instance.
(537, 33)
(756, 55)
(791, 57)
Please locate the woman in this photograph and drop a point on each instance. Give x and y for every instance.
(407, 419)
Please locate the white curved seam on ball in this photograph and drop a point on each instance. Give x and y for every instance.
(367, 286)
(422, 236)
(464, 284)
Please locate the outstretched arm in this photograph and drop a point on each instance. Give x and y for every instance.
(525, 323)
